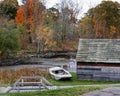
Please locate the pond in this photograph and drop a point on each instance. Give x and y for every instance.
(45, 63)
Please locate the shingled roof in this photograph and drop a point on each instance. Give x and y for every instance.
(99, 50)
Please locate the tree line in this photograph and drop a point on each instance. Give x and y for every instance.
(34, 28)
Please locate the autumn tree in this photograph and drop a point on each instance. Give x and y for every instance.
(102, 21)
(51, 17)
(30, 15)
(9, 8)
(86, 25)
(20, 16)
(46, 39)
(63, 20)
(52, 20)
(107, 19)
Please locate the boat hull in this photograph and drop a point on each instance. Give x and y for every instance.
(59, 73)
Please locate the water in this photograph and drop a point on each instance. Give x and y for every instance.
(43, 63)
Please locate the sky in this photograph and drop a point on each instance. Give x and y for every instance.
(85, 4)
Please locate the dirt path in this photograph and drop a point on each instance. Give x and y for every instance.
(4, 89)
(113, 91)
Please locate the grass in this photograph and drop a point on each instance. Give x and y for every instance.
(75, 81)
(76, 91)
(8, 77)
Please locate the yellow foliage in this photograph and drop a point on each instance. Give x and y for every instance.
(112, 30)
(45, 36)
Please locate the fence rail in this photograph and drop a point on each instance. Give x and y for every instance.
(31, 83)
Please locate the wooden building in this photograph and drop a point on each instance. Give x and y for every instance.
(98, 59)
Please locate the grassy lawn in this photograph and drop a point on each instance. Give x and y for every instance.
(75, 81)
(72, 81)
(76, 91)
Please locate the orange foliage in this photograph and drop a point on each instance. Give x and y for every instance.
(26, 10)
(29, 8)
(20, 16)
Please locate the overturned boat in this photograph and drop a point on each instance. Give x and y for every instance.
(59, 73)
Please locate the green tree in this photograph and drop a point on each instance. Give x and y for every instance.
(8, 37)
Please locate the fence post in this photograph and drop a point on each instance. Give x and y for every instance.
(22, 82)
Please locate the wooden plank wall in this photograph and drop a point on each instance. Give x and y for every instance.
(98, 71)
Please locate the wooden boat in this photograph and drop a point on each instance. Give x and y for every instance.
(59, 73)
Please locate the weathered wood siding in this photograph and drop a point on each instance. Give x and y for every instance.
(99, 71)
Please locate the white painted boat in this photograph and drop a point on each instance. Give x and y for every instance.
(59, 73)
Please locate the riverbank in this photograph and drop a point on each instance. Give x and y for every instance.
(26, 60)
(44, 64)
